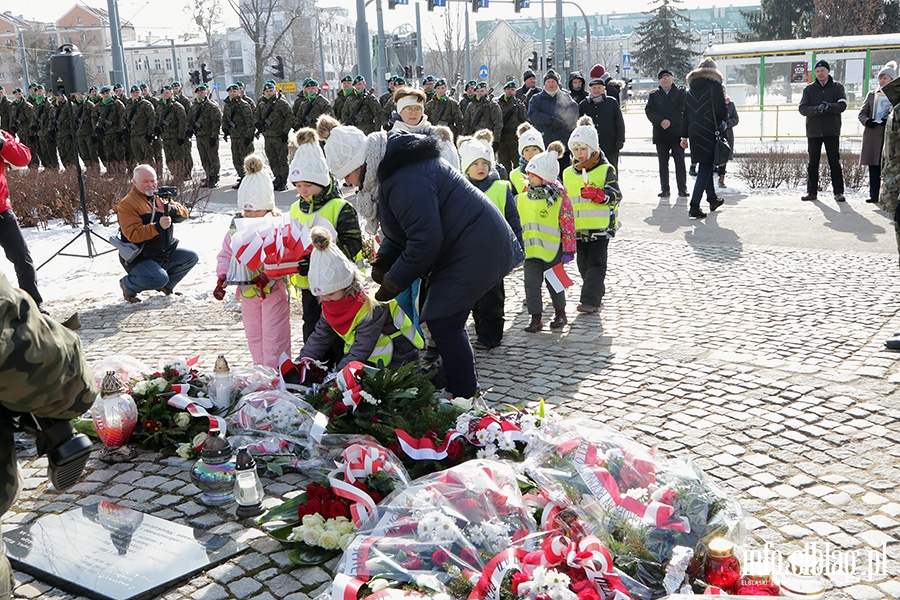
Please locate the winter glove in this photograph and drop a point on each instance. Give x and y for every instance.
(249, 141)
(95, 139)
(303, 266)
(120, 137)
(567, 257)
(157, 129)
(219, 292)
(594, 194)
(261, 281)
(387, 291)
(149, 138)
(213, 141)
(283, 138)
(822, 108)
(379, 270)
(224, 137)
(871, 123)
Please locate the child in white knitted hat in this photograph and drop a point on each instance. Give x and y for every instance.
(531, 143)
(319, 199)
(476, 159)
(593, 188)
(265, 307)
(379, 334)
(548, 231)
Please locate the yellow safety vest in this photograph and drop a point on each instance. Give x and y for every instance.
(330, 212)
(518, 180)
(497, 194)
(384, 349)
(540, 227)
(590, 216)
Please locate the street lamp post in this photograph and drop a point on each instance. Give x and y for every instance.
(363, 50)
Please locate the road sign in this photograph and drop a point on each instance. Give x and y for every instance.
(440, 3)
(325, 86)
(216, 86)
(483, 71)
(626, 62)
(286, 86)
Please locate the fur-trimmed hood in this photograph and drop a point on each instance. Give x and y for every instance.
(407, 148)
(704, 73)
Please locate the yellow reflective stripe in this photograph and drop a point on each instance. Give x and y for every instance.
(545, 229)
(405, 325)
(596, 213)
(589, 216)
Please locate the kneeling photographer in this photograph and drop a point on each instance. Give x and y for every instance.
(42, 374)
(146, 219)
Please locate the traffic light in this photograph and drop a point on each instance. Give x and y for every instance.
(392, 4)
(278, 68)
(205, 75)
(533, 61)
(420, 71)
(430, 5)
(475, 5)
(628, 89)
(195, 77)
(407, 72)
(550, 55)
(518, 5)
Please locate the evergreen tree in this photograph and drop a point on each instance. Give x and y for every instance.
(664, 42)
(838, 17)
(891, 23)
(778, 20)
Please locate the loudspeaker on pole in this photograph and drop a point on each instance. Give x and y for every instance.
(67, 70)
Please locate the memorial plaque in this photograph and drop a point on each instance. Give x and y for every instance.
(110, 552)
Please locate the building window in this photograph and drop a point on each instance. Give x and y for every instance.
(137, 65)
(83, 38)
(190, 60)
(234, 49)
(157, 65)
(168, 64)
(79, 20)
(237, 66)
(178, 62)
(100, 69)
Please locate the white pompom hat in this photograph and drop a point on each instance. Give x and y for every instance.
(329, 269)
(532, 137)
(471, 150)
(545, 165)
(585, 135)
(309, 165)
(255, 191)
(345, 150)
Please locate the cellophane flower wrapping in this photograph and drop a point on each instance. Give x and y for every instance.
(643, 506)
(437, 535)
(273, 422)
(125, 367)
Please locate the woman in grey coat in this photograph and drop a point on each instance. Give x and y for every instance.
(872, 115)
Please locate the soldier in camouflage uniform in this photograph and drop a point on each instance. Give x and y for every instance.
(341, 96)
(43, 128)
(125, 137)
(889, 195)
(361, 109)
(388, 96)
(85, 124)
(140, 119)
(171, 122)
(483, 113)
(388, 106)
(310, 104)
(188, 157)
(21, 114)
(155, 143)
(205, 121)
(68, 153)
(428, 85)
(444, 110)
(467, 96)
(274, 120)
(5, 109)
(514, 114)
(42, 371)
(244, 95)
(238, 121)
(110, 121)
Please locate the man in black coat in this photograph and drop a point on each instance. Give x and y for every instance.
(553, 113)
(822, 103)
(577, 87)
(529, 87)
(608, 121)
(664, 107)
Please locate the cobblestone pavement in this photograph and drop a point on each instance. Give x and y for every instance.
(760, 356)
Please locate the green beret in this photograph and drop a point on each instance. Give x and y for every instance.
(200, 88)
(399, 80)
(105, 89)
(240, 84)
(510, 84)
(346, 78)
(480, 85)
(471, 82)
(167, 87)
(272, 81)
(18, 90)
(39, 86)
(231, 87)
(32, 86)
(428, 78)
(2, 89)
(92, 88)
(310, 82)
(268, 85)
(358, 78)
(135, 88)
(143, 86)
(176, 84)
(118, 86)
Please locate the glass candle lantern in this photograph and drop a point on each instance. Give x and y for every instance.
(756, 580)
(722, 567)
(114, 413)
(222, 384)
(248, 490)
(213, 473)
(802, 577)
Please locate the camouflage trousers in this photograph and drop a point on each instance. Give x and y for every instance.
(87, 149)
(175, 159)
(141, 150)
(67, 151)
(111, 152)
(35, 147)
(241, 147)
(157, 151)
(47, 150)
(276, 152)
(187, 156)
(208, 147)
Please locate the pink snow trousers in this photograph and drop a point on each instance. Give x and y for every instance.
(267, 325)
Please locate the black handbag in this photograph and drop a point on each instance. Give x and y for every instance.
(721, 150)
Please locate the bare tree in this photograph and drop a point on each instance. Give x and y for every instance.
(267, 23)
(301, 47)
(447, 56)
(514, 57)
(837, 17)
(207, 15)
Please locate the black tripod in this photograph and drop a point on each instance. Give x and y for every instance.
(86, 224)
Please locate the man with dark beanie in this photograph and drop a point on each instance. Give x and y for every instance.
(822, 103)
(553, 113)
(529, 87)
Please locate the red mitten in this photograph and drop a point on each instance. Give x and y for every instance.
(261, 281)
(219, 292)
(593, 194)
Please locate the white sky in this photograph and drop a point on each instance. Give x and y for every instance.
(164, 17)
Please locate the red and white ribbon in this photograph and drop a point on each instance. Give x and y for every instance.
(345, 587)
(489, 584)
(188, 404)
(655, 513)
(348, 382)
(425, 448)
(498, 426)
(359, 461)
